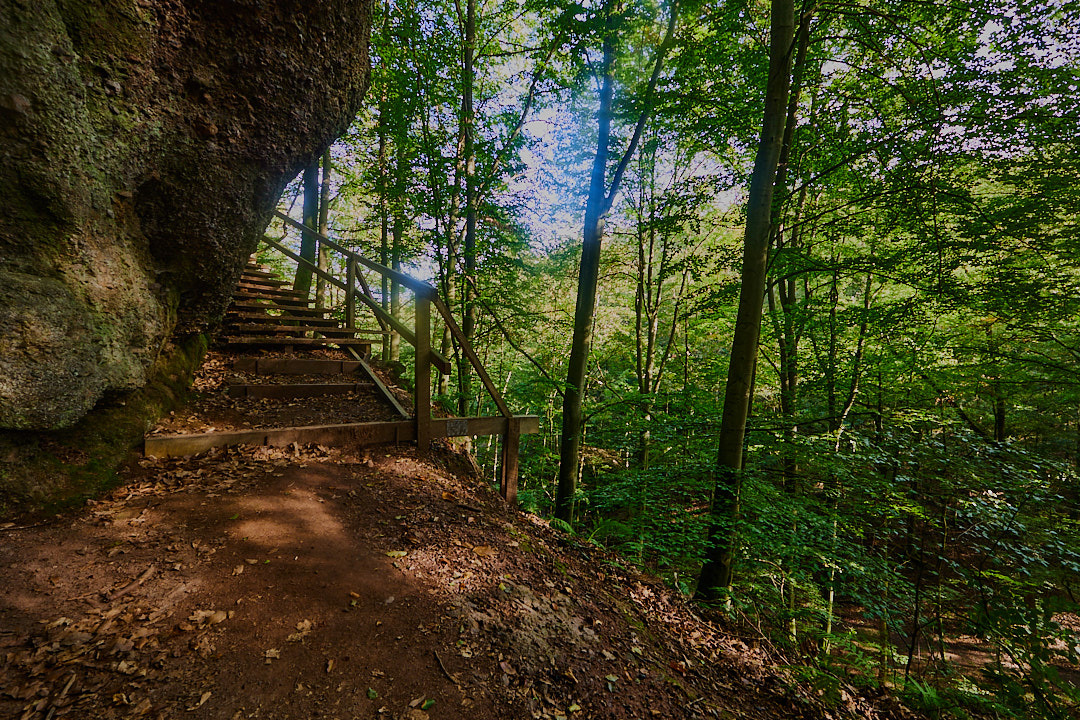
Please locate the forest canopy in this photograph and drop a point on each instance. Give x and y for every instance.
(793, 287)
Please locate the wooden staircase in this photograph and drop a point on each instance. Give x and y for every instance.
(290, 336)
(266, 313)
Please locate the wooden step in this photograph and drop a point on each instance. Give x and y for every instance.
(249, 283)
(245, 299)
(288, 298)
(272, 291)
(284, 331)
(295, 366)
(261, 271)
(363, 345)
(305, 312)
(298, 390)
(234, 317)
(262, 277)
(246, 327)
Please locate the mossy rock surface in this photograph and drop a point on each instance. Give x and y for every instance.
(51, 469)
(144, 147)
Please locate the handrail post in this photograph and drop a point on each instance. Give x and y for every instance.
(508, 480)
(350, 292)
(422, 390)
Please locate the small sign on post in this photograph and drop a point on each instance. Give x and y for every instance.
(457, 427)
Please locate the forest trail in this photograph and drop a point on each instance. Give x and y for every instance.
(307, 583)
(311, 582)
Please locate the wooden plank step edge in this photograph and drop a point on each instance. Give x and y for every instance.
(247, 284)
(371, 433)
(233, 340)
(287, 298)
(261, 270)
(236, 318)
(267, 290)
(298, 390)
(323, 329)
(294, 366)
(241, 305)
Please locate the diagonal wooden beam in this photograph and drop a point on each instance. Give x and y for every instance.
(437, 359)
(380, 385)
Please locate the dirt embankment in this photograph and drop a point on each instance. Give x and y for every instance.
(303, 583)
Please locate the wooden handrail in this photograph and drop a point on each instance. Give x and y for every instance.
(467, 348)
(437, 359)
(417, 286)
(426, 356)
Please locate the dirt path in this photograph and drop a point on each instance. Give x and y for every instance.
(249, 585)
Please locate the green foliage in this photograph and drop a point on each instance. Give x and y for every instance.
(561, 525)
(911, 456)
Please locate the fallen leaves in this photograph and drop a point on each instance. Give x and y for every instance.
(202, 701)
(209, 617)
(303, 629)
(422, 703)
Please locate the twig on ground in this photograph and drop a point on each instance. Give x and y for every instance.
(22, 527)
(443, 667)
(133, 584)
(63, 693)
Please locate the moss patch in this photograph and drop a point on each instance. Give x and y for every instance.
(47, 471)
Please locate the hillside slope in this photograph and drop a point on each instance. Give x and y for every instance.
(305, 583)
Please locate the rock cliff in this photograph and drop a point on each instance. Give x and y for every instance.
(144, 143)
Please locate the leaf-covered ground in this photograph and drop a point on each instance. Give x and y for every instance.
(320, 583)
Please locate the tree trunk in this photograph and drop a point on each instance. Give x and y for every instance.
(397, 244)
(585, 309)
(468, 291)
(596, 209)
(384, 214)
(787, 334)
(308, 242)
(717, 572)
(324, 229)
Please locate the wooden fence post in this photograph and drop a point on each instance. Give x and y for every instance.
(422, 391)
(508, 482)
(350, 292)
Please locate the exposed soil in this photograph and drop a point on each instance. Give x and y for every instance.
(296, 583)
(212, 408)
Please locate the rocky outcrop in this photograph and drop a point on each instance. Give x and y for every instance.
(144, 144)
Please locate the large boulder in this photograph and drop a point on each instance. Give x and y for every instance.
(144, 144)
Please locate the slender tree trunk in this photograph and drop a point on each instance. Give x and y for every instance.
(831, 397)
(468, 291)
(787, 334)
(398, 241)
(308, 242)
(585, 309)
(717, 572)
(596, 209)
(324, 229)
(384, 212)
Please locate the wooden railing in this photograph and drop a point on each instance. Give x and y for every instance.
(506, 424)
